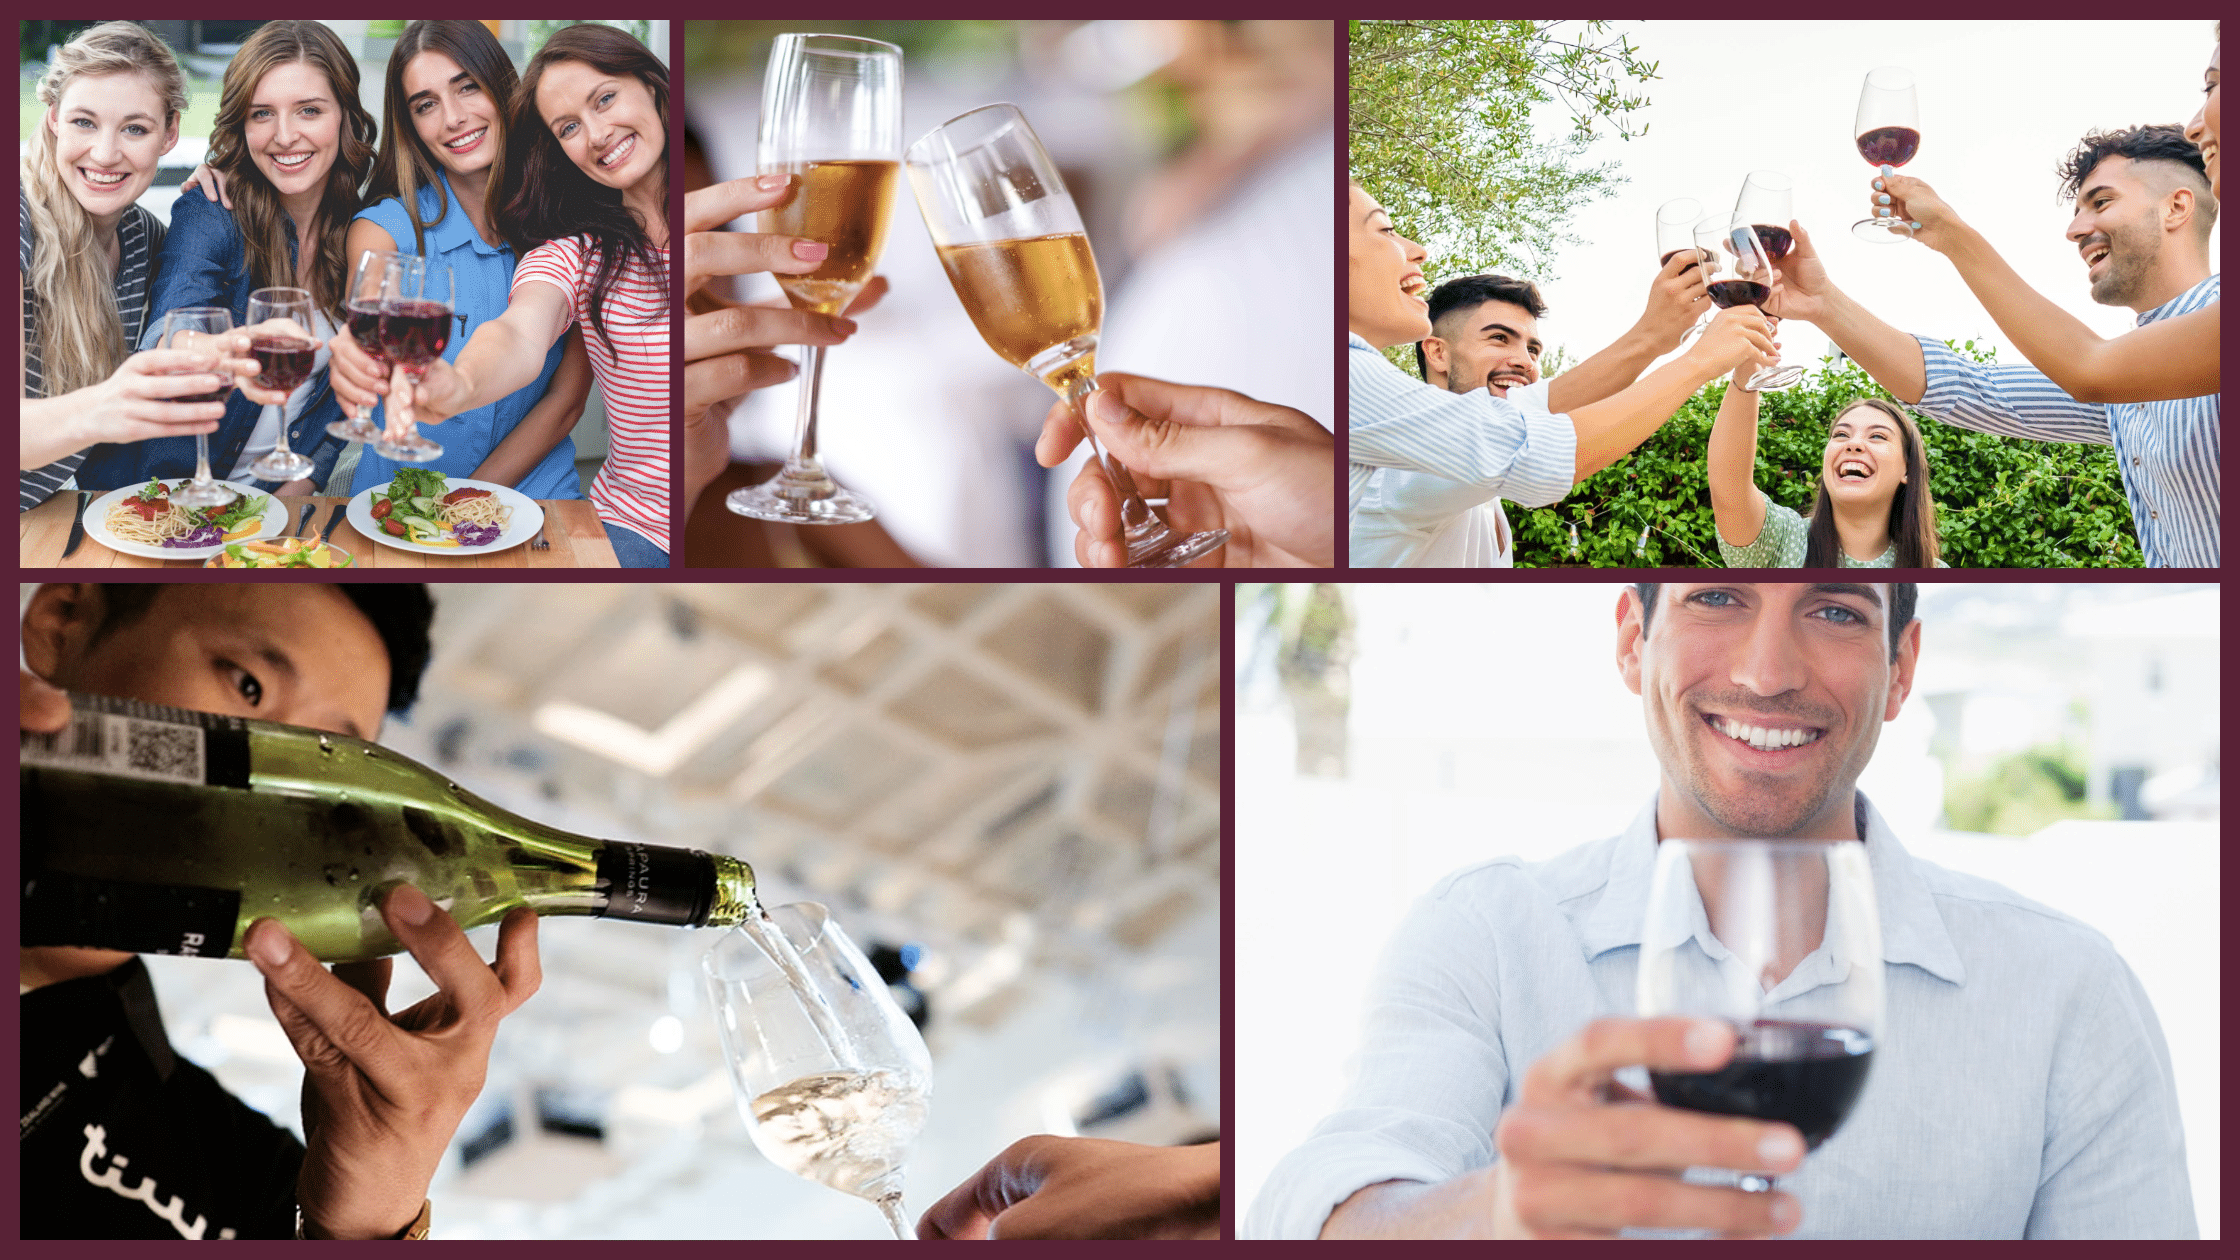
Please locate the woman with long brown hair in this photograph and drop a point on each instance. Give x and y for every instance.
(1872, 509)
(586, 195)
(293, 145)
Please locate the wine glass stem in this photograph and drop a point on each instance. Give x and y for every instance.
(803, 463)
(891, 1206)
(1135, 515)
(202, 458)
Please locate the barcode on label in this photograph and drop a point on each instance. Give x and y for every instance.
(127, 746)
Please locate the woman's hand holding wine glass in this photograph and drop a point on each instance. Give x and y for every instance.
(1934, 223)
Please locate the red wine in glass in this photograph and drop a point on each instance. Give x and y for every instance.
(1725, 293)
(1887, 129)
(286, 361)
(414, 333)
(1776, 240)
(217, 396)
(1890, 146)
(1806, 1074)
(365, 328)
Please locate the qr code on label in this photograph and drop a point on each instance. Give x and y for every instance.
(168, 751)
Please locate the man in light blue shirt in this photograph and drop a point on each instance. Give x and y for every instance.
(2021, 1087)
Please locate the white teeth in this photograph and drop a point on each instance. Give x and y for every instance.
(466, 139)
(1765, 739)
(104, 180)
(290, 162)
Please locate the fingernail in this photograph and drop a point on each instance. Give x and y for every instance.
(811, 251)
(1887, 169)
(1878, 185)
(1884, 199)
(1779, 1148)
(843, 325)
(1784, 1212)
(269, 943)
(1706, 1040)
(1103, 406)
(411, 905)
(772, 183)
(1916, 225)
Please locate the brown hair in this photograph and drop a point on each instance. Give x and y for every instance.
(404, 163)
(256, 204)
(1913, 513)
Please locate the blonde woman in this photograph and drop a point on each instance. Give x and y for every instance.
(113, 97)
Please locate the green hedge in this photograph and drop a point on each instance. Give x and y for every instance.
(2001, 502)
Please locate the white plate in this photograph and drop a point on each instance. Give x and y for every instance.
(97, 523)
(527, 519)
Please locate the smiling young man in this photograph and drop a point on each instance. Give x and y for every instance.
(2021, 1088)
(1488, 445)
(2141, 231)
(122, 1138)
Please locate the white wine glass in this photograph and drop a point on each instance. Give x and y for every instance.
(283, 362)
(201, 329)
(416, 326)
(374, 281)
(1782, 940)
(838, 1104)
(1017, 255)
(831, 117)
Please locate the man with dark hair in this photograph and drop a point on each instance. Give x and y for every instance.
(1485, 333)
(2023, 1090)
(2141, 228)
(123, 1138)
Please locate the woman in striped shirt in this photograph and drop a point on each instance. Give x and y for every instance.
(113, 98)
(587, 176)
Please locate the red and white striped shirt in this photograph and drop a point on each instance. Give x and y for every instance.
(632, 488)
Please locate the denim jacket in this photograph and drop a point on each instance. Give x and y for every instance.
(205, 262)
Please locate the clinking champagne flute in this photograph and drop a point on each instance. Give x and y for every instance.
(1017, 255)
(201, 329)
(832, 118)
(415, 328)
(373, 281)
(283, 362)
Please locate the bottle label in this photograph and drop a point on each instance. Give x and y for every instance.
(653, 884)
(141, 918)
(132, 740)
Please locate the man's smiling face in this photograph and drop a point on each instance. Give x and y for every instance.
(1763, 700)
(1493, 346)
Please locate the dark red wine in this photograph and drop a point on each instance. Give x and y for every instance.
(415, 333)
(1776, 240)
(1739, 293)
(365, 327)
(216, 396)
(1889, 146)
(1669, 253)
(286, 361)
(1806, 1074)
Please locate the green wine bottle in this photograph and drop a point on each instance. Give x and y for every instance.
(164, 831)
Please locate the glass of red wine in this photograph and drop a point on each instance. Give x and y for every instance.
(1676, 228)
(1739, 272)
(1782, 940)
(371, 282)
(415, 328)
(201, 329)
(283, 362)
(1767, 203)
(1888, 128)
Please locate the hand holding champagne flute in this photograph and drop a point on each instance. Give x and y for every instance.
(1017, 255)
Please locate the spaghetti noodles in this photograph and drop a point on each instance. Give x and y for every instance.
(149, 518)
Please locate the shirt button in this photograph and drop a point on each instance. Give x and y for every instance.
(2134, 461)
(2154, 516)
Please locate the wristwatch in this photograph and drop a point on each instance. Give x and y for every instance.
(417, 1231)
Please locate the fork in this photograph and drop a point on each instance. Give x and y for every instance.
(538, 543)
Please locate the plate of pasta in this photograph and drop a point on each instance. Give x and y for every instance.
(142, 520)
(422, 510)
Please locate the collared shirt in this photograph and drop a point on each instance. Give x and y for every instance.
(124, 1139)
(2021, 1087)
(2167, 450)
(1396, 421)
(1418, 520)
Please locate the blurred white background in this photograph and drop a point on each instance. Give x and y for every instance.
(1488, 720)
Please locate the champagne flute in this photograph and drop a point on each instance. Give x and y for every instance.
(1888, 132)
(200, 328)
(831, 115)
(1767, 203)
(372, 282)
(283, 363)
(838, 1104)
(1781, 939)
(1737, 272)
(415, 327)
(1676, 225)
(1019, 259)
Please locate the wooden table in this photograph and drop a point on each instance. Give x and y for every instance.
(570, 525)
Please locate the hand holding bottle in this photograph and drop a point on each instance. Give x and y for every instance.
(383, 1093)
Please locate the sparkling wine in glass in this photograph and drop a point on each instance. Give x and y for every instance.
(283, 363)
(200, 329)
(1781, 940)
(1888, 130)
(831, 1077)
(1739, 273)
(832, 118)
(415, 328)
(1017, 255)
(1767, 203)
(1676, 229)
(372, 282)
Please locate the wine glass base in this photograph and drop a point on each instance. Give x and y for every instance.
(1781, 376)
(204, 495)
(1169, 550)
(282, 466)
(1882, 231)
(355, 430)
(414, 451)
(768, 502)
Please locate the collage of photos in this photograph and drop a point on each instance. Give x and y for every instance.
(1392, 899)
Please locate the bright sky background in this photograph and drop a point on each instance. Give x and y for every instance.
(2001, 103)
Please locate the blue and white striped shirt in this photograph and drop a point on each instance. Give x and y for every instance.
(1396, 421)
(2167, 450)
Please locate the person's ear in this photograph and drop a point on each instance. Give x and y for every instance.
(58, 626)
(1435, 359)
(1901, 672)
(1631, 634)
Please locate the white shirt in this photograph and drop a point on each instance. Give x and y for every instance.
(1423, 521)
(2021, 1087)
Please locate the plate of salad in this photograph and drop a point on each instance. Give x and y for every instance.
(423, 510)
(142, 520)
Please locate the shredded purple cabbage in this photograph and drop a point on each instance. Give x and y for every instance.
(476, 535)
(202, 536)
